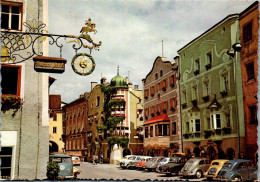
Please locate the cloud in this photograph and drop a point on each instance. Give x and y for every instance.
(131, 32)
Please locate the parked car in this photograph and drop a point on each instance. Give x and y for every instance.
(125, 163)
(141, 163)
(238, 170)
(174, 165)
(75, 160)
(65, 164)
(195, 167)
(132, 164)
(152, 164)
(214, 168)
(125, 158)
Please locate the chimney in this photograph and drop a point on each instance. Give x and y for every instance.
(81, 96)
(126, 80)
(136, 87)
(176, 59)
(93, 84)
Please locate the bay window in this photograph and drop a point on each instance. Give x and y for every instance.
(215, 121)
(11, 16)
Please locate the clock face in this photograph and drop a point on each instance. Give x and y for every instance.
(83, 64)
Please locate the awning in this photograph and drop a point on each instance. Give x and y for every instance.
(162, 117)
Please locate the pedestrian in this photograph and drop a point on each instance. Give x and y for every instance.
(242, 155)
(93, 159)
(102, 158)
(96, 159)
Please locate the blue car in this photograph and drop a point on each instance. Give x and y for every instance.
(238, 170)
(65, 164)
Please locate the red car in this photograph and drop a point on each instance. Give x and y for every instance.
(140, 164)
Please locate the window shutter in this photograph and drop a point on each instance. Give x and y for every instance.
(151, 91)
(165, 82)
(175, 101)
(156, 88)
(162, 106)
(174, 78)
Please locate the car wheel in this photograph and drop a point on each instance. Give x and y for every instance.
(149, 170)
(168, 172)
(199, 174)
(236, 178)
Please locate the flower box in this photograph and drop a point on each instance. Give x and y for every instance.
(206, 98)
(226, 130)
(184, 105)
(196, 72)
(224, 93)
(11, 102)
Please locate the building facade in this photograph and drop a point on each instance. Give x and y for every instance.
(130, 127)
(211, 93)
(249, 23)
(162, 124)
(75, 133)
(56, 122)
(24, 116)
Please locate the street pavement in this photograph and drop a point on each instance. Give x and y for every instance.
(115, 172)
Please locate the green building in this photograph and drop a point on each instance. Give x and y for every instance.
(211, 92)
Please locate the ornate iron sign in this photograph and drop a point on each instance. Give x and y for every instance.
(49, 64)
(21, 46)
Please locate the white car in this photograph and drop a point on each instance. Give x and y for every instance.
(126, 158)
(75, 160)
(125, 163)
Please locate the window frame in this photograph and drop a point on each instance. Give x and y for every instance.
(214, 121)
(11, 4)
(255, 121)
(247, 37)
(19, 78)
(252, 71)
(54, 129)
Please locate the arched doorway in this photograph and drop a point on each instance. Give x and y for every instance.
(211, 153)
(126, 152)
(221, 154)
(108, 153)
(166, 153)
(230, 154)
(53, 147)
(196, 151)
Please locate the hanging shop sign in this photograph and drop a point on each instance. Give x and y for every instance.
(49, 64)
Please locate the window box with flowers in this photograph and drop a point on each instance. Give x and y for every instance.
(208, 133)
(226, 130)
(11, 102)
(187, 135)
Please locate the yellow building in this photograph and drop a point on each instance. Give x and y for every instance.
(55, 127)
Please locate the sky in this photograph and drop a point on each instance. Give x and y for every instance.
(131, 32)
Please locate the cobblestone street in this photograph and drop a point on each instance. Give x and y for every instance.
(115, 172)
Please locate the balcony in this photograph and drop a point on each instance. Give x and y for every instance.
(206, 98)
(196, 72)
(208, 66)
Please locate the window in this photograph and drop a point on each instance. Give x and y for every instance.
(54, 129)
(161, 73)
(146, 132)
(184, 97)
(98, 101)
(54, 116)
(225, 82)
(253, 114)
(187, 126)
(156, 76)
(196, 66)
(151, 131)
(209, 58)
(11, 80)
(83, 110)
(247, 32)
(6, 162)
(215, 121)
(206, 88)
(227, 120)
(156, 130)
(11, 15)
(194, 93)
(172, 80)
(250, 71)
(174, 128)
(195, 125)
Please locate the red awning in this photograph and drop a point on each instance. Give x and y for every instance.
(162, 117)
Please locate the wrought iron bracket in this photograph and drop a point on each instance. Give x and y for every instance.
(20, 46)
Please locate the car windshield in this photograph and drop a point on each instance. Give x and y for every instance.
(154, 159)
(131, 158)
(227, 165)
(191, 161)
(62, 160)
(215, 164)
(173, 160)
(165, 160)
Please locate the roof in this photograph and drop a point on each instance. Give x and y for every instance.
(248, 8)
(162, 117)
(61, 155)
(54, 101)
(164, 60)
(118, 82)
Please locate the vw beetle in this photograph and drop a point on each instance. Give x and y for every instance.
(238, 170)
(214, 168)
